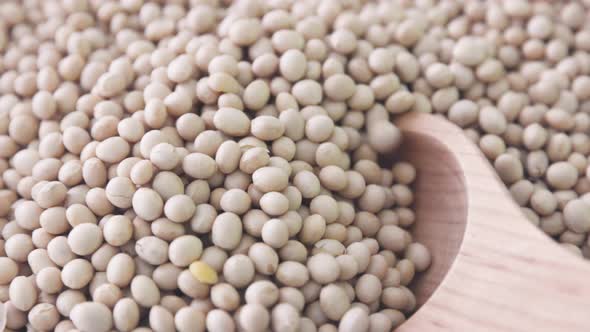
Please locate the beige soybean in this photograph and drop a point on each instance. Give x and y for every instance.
(144, 291)
(179, 208)
(225, 296)
(219, 320)
(202, 221)
(152, 249)
(189, 319)
(313, 229)
(238, 270)
(119, 191)
(118, 230)
(575, 215)
(270, 179)
(264, 257)
(199, 165)
(274, 203)
(333, 178)
(59, 251)
(419, 255)
(125, 314)
(307, 183)
(164, 156)
(107, 294)
(9, 270)
(147, 203)
(43, 316)
(232, 121)
(292, 65)
(78, 213)
(92, 316)
(228, 156)
(226, 231)
(51, 194)
(254, 317)
(275, 233)
(77, 273)
(562, 175)
(22, 293)
(292, 274)
(355, 319)
(285, 317)
(161, 319)
(262, 292)
(39, 259)
(120, 270)
(256, 95)
(184, 250)
(236, 200)
(167, 184)
(319, 128)
(112, 150)
(334, 301)
(267, 128)
(368, 288)
(294, 251)
(323, 268)
(253, 159)
(85, 238)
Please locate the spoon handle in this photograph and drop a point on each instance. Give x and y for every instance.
(507, 275)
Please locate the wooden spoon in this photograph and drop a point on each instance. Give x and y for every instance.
(492, 269)
(3, 314)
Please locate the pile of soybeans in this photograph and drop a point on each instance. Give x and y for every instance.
(216, 165)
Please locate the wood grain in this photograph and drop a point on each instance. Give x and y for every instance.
(495, 271)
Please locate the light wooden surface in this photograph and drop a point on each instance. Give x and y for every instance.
(2, 316)
(494, 270)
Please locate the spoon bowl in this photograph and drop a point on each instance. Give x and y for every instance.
(492, 269)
